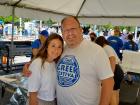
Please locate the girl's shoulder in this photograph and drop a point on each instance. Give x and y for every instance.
(36, 61)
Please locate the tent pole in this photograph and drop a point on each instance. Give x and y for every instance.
(136, 29)
(12, 41)
(80, 8)
(20, 26)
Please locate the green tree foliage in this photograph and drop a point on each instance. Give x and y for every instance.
(1, 18)
(108, 26)
(128, 28)
(26, 19)
(49, 22)
(8, 19)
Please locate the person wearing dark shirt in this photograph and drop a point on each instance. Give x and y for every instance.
(116, 43)
(93, 36)
(39, 42)
(130, 44)
(1, 30)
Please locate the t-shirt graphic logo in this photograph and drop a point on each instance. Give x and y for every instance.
(68, 71)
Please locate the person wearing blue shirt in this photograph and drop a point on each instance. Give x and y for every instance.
(130, 44)
(124, 36)
(1, 30)
(116, 43)
(38, 42)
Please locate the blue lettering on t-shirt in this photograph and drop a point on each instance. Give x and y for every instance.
(67, 71)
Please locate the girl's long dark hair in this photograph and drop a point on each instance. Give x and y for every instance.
(130, 38)
(43, 51)
(101, 41)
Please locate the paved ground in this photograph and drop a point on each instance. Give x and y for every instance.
(128, 94)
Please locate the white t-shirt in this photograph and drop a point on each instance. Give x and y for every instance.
(42, 79)
(110, 52)
(79, 72)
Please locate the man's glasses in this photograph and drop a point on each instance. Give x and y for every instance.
(70, 30)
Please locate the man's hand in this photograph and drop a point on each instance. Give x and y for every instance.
(26, 72)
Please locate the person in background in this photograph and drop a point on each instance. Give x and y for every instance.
(42, 82)
(130, 44)
(114, 62)
(92, 36)
(6, 30)
(133, 46)
(1, 30)
(138, 42)
(79, 77)
(124, 35)
(116, 43)
(39, 42)
(36, 45)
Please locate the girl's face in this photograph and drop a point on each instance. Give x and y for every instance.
(54, 49)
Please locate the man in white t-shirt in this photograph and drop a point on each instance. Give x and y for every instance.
(84, 73)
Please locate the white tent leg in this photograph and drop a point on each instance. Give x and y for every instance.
(136, 29)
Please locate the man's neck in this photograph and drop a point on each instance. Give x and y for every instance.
(75, 45)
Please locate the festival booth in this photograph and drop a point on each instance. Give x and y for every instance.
(131, 61)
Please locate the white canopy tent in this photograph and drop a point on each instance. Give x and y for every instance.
(117, 12)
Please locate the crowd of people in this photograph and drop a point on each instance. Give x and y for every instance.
(78, 72)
